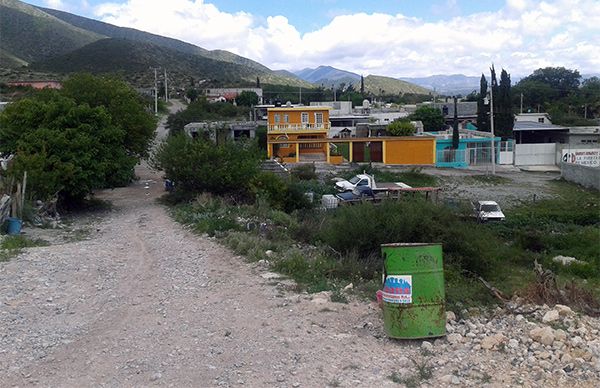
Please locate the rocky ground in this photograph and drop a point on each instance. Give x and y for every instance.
(128, 297)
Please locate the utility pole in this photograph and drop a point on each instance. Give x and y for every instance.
(166, 89)
(585, 111)
(333, 87)
(521, 103)
(492, 130)
(300, 98)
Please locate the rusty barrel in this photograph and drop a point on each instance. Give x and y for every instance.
(413, 290)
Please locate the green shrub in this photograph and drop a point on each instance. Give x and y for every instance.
(363, 228)
(401, 127)
(198, 166)
(304, 172)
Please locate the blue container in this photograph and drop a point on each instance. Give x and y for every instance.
(14, 225)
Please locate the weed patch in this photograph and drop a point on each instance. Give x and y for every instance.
(11, 246)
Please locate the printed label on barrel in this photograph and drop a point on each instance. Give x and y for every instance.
(398, 289)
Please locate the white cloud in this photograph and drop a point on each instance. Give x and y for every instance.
(55, 4)
(521, 37)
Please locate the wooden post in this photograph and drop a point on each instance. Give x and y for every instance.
(297, 152)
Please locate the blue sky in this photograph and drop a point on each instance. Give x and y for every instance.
(397, 38)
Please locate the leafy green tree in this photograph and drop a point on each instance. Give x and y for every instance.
(247, 98)
(192, 94)
(560, 79)
(432, 118)
(197, 165)
(66, 148)
(400, 128)
(124, 105)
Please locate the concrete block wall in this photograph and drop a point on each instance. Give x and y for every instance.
(583, 175)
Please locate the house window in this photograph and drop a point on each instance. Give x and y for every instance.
(286, 118)
(319, 119)
(304, 118)
(277, 118)
(540, 120)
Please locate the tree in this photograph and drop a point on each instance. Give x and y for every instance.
(483, 123)
(563, 80)
(400, 128)
(199, 165)
(247, 98)
(505, 119)
(192, 94)
(67, 148)
(124, 105)
(431, 118)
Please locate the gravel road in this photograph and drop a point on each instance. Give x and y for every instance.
(142, 301)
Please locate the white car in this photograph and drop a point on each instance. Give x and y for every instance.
(488, 211)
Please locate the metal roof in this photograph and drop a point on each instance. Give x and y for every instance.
(533, 126)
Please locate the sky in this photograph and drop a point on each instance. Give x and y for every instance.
(396, 38)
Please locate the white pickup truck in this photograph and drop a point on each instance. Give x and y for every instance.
(367, 180)
(487, 211)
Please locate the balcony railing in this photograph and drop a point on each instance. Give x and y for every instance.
(299, 127)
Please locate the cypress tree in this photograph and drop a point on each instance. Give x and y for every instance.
(504, 118)
(482, 109)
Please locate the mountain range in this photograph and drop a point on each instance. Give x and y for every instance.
(49, 41)
(45, 40)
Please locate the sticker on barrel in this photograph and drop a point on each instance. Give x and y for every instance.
(397, 289)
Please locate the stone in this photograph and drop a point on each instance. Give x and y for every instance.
(349, 287)
(560, 335)
(156, 376)
(563, 310)
(492, 341)
(270, 276)
(321, 297)
(426, 345)
(566, 358)
(454, 338)
(551, 316)
(545, 364)
(269, 253)
(513, 343)
(450, 379)
(565, 260)
(543, 335)
(450, 316)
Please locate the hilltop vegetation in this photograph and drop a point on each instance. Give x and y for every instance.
(384, 86)
(29, 34)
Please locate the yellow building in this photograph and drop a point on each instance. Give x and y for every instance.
(300, 133)
(295, 124)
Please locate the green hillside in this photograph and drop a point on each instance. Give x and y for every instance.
(133, 61)
(28, 34)
(378, 85)
(112, 31)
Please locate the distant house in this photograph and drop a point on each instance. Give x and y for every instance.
(37, 84)
(221, 130)
(533, 128)
(466, 110)
(229, 94)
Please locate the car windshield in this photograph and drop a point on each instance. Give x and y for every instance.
(489, 208)
(354, 180)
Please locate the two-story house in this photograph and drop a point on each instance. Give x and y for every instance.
(298, 133)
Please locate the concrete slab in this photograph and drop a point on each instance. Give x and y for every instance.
(545, 168)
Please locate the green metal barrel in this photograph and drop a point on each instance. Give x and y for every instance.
(413, 291)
